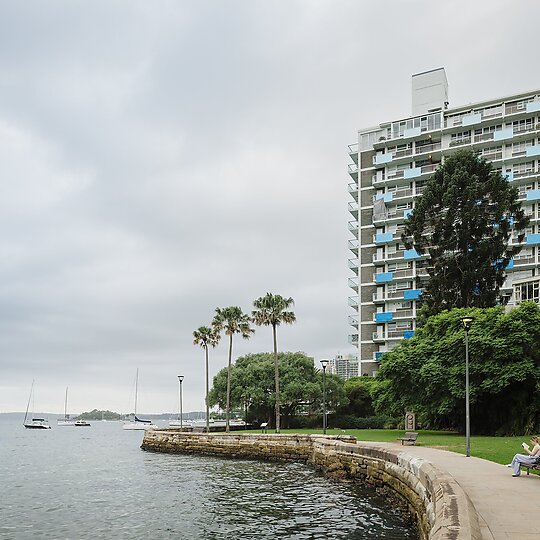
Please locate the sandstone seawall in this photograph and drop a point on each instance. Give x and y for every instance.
(441, 508)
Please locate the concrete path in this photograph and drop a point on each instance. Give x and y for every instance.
(508, 508)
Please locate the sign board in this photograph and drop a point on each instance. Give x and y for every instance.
(410, 421)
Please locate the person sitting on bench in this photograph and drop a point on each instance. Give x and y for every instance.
(531, 459)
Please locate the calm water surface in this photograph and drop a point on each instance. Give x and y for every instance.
(85, 483)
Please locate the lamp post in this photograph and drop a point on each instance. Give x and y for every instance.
(324, 363)
(180, 379)
(467, 323)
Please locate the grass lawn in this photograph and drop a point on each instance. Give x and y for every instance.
(497, 449)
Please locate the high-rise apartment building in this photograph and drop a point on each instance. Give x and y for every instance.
(346, 366)
(391, 165)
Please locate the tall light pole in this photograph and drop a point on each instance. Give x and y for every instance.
(324, 363)
(180, 379)
(467, 323)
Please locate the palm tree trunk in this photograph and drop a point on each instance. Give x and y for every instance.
(207, 407)
(228, 406)
(276, 365)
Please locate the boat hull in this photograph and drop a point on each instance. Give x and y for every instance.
(137, 426)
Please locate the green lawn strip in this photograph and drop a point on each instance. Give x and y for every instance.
(496, 449)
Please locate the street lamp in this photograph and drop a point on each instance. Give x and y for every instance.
(324, 363)
(180, 379)
(467, 323)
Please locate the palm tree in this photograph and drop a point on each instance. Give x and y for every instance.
(232, 320)
(270, 310)
(206, 337)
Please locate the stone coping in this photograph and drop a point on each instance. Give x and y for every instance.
(442, 509)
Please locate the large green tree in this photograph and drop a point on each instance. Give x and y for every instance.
(253, 386)
(463, 221)
(206, 337)
(231, 320)
(358, 391)
(272, 310)
(427, 373)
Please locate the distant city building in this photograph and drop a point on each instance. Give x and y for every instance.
(391, 165)
(344, 366)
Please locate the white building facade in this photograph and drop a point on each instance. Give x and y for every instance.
(390, 166)
(346, 366)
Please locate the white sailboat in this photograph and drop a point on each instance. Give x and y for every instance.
(66, 421)
(34, 423)
(137, 423)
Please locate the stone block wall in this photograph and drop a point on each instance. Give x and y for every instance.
(441, 508)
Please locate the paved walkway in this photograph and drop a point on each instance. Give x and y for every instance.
(508, 508)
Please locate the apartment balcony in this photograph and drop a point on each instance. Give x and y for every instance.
(460, 142)
(353, 209)
(524, 260)
(433, 148)
(403, 273)
(353, 321)
(353, 265)
(353, 190)
(484, 137)
(353, 283)
(390, 216)
(353, 339)
(353, 170)
(380, 337)
(353, 246)
(380, 298)
(353, 152)
(353, 227)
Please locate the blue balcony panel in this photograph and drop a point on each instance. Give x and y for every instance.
(412, 294)
(384, 317)
(408, 334)
(385, 197)
(384, 277)
(509, 175)
(503, 134)
(383, 238)
(533, 151)
(510, 264)
(471, 119)
(533, 195)
(411, 254)
(532, 239)
(533, 106)
(380, 159)
(407, 213)
(412, 173)
(378, 356)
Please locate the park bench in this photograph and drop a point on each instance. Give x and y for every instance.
(535, 467)
(410, 436)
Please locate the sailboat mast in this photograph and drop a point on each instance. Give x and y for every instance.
(136, 389)
(28, 404)
(65, 405)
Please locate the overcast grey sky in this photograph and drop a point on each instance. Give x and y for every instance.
(161, 159)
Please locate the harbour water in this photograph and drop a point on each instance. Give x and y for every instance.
(85, 483)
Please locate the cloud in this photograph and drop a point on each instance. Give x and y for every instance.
(158, 163)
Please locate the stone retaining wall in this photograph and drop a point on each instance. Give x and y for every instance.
(441, 508)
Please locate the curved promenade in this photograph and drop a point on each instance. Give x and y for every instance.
(508, 508)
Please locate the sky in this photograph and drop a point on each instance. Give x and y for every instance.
(161, 159)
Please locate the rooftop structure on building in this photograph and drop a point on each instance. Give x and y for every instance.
(390, 166)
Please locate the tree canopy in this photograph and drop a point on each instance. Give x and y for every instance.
(253, 388)
(463, 221)
(427, 373)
